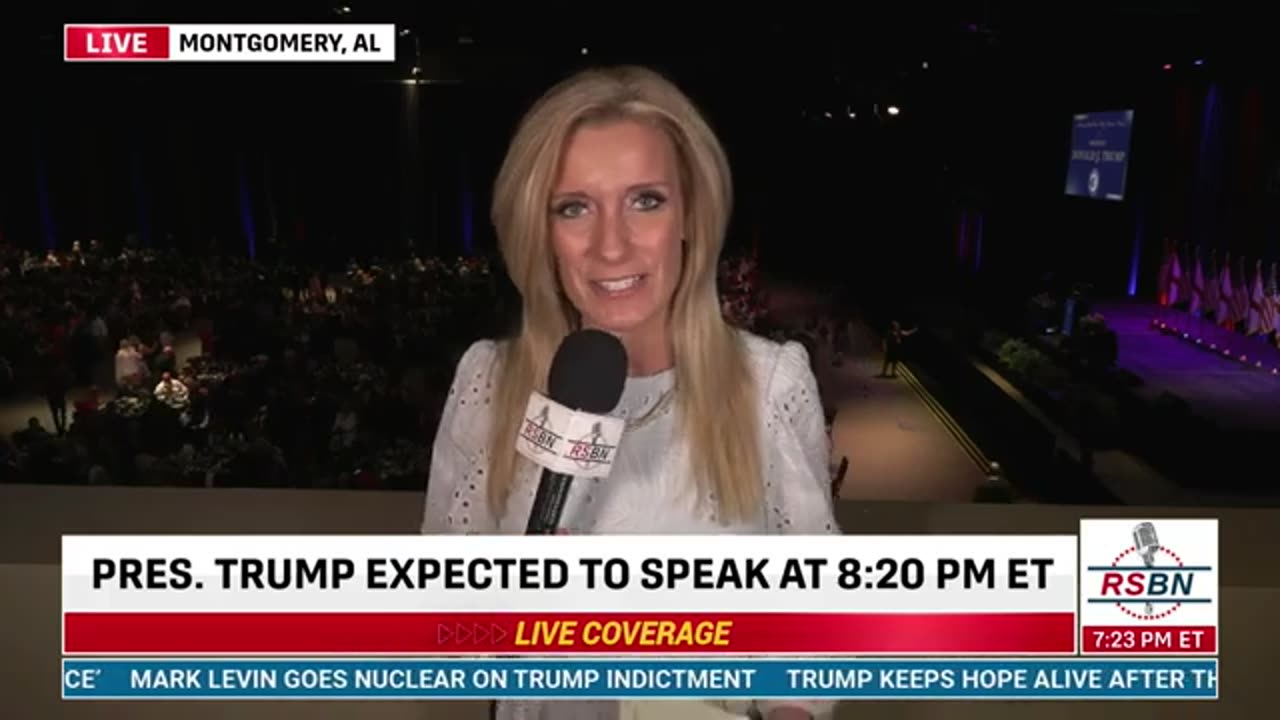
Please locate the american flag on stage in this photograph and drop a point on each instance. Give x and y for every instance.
(1273, 302)
(1226, 313)
(1197, 286)
(1240, 303)
(1176, 291)
(1259, 304)
(1211, 285)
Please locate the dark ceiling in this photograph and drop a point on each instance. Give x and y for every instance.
(845, 49)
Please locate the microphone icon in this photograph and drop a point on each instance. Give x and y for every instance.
(1146, 543)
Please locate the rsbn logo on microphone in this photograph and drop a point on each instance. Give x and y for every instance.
(540, 437)
(1149, 585)
(592, 450)
(568, 441)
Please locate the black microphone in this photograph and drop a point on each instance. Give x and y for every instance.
(587, 375)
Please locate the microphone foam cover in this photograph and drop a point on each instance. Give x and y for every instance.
(588, 372)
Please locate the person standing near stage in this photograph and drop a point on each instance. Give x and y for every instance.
(57, 381)
(893, 348)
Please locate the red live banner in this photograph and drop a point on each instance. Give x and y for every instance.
(116, 42)
(570, 633)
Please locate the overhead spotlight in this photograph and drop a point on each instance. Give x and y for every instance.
(415, 70)
(404, 32)
(342, 10)
(827, 115)
(924, 65)
(1168, 67)
(893, 110)
(585, 51)
(1199, 62)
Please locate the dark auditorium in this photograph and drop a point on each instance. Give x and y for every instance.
(967, 268)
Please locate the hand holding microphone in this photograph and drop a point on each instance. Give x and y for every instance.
(568, 433)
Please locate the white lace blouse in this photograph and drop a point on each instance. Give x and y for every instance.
(646, 491)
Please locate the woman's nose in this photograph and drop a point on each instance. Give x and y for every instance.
(612, 236)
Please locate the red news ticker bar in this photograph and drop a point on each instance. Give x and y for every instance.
(520, 633)
(116, 42)
(1155, 639)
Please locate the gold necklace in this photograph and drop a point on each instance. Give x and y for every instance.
(658, 407)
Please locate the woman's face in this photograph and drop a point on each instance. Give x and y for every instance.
(617, 227)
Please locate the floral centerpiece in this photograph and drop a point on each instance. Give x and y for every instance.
(205, 371)
(130, 405)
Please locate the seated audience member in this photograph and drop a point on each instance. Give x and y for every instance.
(32, 435)
(172, 392)
(89, 403)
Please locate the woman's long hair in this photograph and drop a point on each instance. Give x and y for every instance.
(716, 392)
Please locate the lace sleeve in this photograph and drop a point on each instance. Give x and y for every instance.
(457, 496)
(798, 471)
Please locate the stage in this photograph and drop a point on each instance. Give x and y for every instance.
(1200, 363)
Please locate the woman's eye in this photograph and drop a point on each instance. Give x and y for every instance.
(571, 209)
(648, 201)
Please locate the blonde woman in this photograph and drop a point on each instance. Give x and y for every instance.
(611, 209)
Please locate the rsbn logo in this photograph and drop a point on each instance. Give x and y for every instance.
(541, 438)
(591, 450)
(1148, 581)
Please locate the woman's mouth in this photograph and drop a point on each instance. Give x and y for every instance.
(620, 286)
